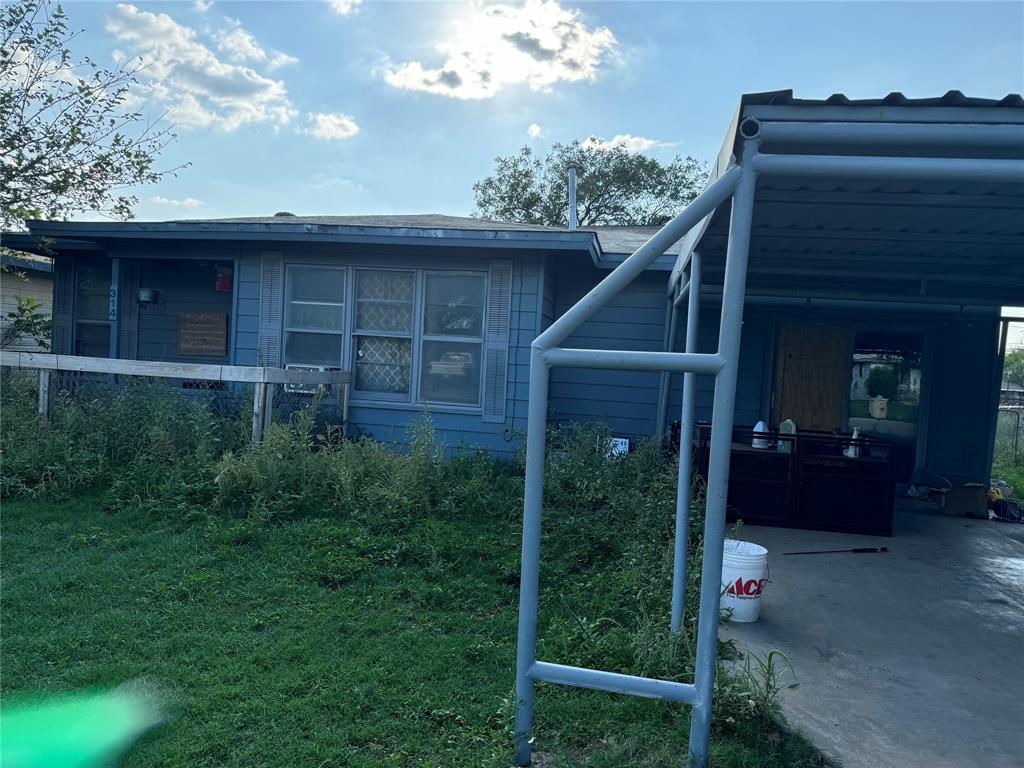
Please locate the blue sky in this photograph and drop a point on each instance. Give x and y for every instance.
(344, 107)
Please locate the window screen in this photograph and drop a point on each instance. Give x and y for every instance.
(92, 308)
(314, 322)
(382, 338)
(452, 342)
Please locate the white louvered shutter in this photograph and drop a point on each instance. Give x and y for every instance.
(271, 309)
(496, 340)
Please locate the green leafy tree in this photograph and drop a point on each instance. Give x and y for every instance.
(70, 140)
(27, 321)
(883, 381)
(1013, 367)
(614, 186)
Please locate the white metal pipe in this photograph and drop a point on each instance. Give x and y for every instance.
(686, 426)
(529, 568)
(901, 134)
(614, 682)
(924, 168)
(630, 360)
(737, 254)
(634, 266)
(684, 292)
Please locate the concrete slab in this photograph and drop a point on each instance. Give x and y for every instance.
(914, 657)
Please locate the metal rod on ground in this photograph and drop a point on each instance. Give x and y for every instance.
(737, 252)
(682, 536)
(855, 551)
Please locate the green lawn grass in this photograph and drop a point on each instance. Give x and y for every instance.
(318, 641)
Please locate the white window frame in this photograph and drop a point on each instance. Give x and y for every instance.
(478, 341)
(344, 303)
(356, 333)
(76, 301)
(416, 336)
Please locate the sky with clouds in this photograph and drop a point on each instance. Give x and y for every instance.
(350, 106)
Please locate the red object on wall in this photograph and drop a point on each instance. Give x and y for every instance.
(224, 280)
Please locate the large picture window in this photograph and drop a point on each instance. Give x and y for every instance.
(314, 316)
(382, 337)
(92, 310)
(411, 335)
(452, 339)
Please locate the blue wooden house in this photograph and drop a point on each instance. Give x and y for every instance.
(437, 313)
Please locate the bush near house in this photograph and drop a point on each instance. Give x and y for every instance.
(883, 382)
(316, 601)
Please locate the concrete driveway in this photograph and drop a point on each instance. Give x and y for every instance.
(914, 657)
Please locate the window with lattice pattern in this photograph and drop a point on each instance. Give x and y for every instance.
(382, 338)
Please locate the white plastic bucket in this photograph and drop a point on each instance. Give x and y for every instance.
(744, 574)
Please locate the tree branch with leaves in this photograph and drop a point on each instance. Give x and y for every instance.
(70, 138)
(614, 186)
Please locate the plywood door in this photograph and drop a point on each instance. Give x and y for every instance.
(812, 376)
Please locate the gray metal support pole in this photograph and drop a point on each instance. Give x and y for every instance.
(529, 574)
(686, 423)
(671, 321)
(737, 253)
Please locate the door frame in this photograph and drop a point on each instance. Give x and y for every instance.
(853, 325)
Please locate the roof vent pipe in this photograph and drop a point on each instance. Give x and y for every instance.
(572, 197)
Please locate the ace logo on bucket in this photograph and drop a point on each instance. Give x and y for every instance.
(744, 575)
(746, 589)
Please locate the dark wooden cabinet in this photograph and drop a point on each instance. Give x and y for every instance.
(813, 485)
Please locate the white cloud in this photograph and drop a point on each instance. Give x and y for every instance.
(533, 131)
(241, 47)
(345, 7)
(331, 127)
(203, 5)
(494, 46)
(184, 75)
(627, 141)
(186, 202)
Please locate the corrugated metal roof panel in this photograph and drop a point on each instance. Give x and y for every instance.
(894, 99)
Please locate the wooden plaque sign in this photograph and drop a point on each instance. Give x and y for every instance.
(203, 334)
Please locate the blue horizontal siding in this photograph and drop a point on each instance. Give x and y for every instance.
(184, 286)
(247, 320)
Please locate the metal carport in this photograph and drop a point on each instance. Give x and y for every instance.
(808, 201)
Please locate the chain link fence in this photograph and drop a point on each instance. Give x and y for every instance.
(1009, 447)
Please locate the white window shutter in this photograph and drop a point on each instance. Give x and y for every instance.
(271, 309)
(62, 342)
(496, 339)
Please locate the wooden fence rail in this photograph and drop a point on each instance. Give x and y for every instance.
(265, 379)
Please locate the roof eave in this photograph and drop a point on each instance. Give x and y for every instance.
(65, 232)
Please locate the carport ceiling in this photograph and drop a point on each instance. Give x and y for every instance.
(933, 240)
